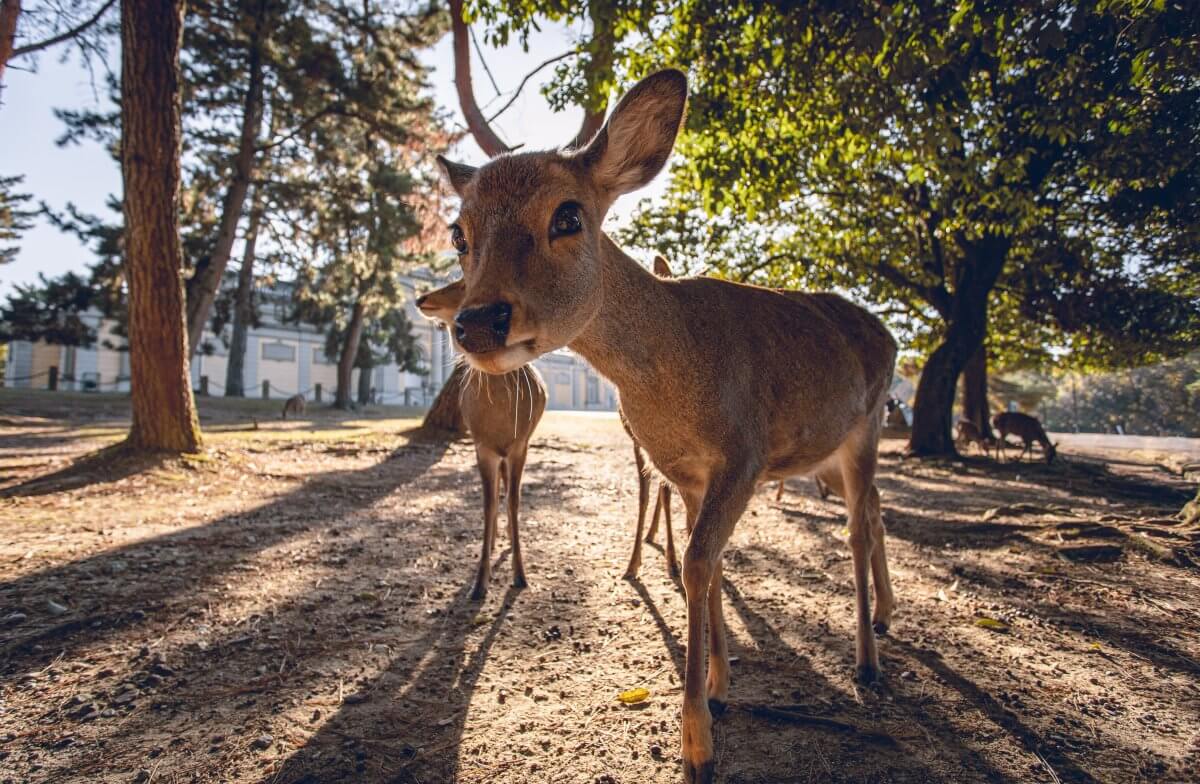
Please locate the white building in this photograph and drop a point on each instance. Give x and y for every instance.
(283, 359)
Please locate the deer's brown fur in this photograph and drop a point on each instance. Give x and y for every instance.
(969, 433)
(724, 385)
(294, 405)
(1025, 427)
(501, 413)
(662, 501)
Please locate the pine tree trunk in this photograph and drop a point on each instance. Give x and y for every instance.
(349, 353)
(164, 414)
(445, 413)
(10, 11)
(364, 385)
(965, 332)
(206, 280)
(243, 311)
(975, 392)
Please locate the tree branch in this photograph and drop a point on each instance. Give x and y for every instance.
(517, 93)
(64, 36)
(477, 124)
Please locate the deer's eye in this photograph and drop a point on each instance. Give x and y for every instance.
(459, 239)
(567, 220)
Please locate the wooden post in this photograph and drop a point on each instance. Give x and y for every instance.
(52, 384)
(317, 393)
(266, 390)
(204, 385)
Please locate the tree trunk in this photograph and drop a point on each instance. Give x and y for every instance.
(243, 310)
(164, 414)
(10, 11)
(445, 414)
(965, 332)
(343, 399)
(975, 391)
(206, 280)
(364, 386)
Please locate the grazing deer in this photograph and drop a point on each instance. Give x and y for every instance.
(662, 502)
(724, 385)
(970, 433)
(294, 405)
(1028, 429)
(501, 412)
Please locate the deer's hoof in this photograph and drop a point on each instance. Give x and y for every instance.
(867, 674)
(704, 773)
(881, 628)
(632, 572)
(519, 580)
(479, 592)
(716, 707)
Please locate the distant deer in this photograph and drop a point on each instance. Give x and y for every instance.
(501, 412)
(294, 405)
(662, 502)
(724, 385)
(970, 433)
(1028, 429)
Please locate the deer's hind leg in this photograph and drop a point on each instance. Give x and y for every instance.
(516, 467)
(857, 459)
(664, 502)
(489, 474)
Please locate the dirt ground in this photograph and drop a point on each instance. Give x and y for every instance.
(292, 607)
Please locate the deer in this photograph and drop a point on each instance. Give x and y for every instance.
(970, 433)
(725, 385)
(501, 412)
(1028, 428)
(662, 502)
(293, 405)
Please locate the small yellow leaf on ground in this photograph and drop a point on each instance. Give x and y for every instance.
(633, 696)
(991, 623)
(480, 619)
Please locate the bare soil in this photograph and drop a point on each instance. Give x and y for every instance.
(292, 607)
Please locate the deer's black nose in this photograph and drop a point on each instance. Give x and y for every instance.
(483, 328)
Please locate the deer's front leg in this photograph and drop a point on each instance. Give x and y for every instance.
(719, 512)
(489, 471)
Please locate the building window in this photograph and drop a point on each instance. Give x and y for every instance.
(319, 357)
(279, 352)
(593, 391)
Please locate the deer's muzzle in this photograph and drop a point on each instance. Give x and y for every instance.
(483, 328)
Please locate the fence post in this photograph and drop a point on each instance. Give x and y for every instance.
(266, 390)
(53, 381)
(204, 385)
(317, 393)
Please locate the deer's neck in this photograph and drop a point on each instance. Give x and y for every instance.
(634, 326)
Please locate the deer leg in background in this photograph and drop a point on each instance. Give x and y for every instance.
(635, 560)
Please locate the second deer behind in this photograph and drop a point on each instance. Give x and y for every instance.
(501, 413)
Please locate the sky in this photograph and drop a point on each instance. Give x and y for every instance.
(86, 175)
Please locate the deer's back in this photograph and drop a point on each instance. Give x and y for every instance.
(787, 373)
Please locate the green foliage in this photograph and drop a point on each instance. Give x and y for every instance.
(1159, 399)
(874, 148)
(49, 310)
(14, 218)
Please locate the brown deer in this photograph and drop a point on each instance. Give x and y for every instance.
(662, 502)
(1028, 429)
(724, 385)
(970, 433)
(501, 412)
(294, 405)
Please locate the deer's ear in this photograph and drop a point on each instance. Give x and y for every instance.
(457, 174)
(661, 268)
(441, 304)
(633, 146)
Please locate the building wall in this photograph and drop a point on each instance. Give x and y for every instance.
(567, 376)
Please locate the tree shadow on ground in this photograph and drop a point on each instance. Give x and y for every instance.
(110, 577)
